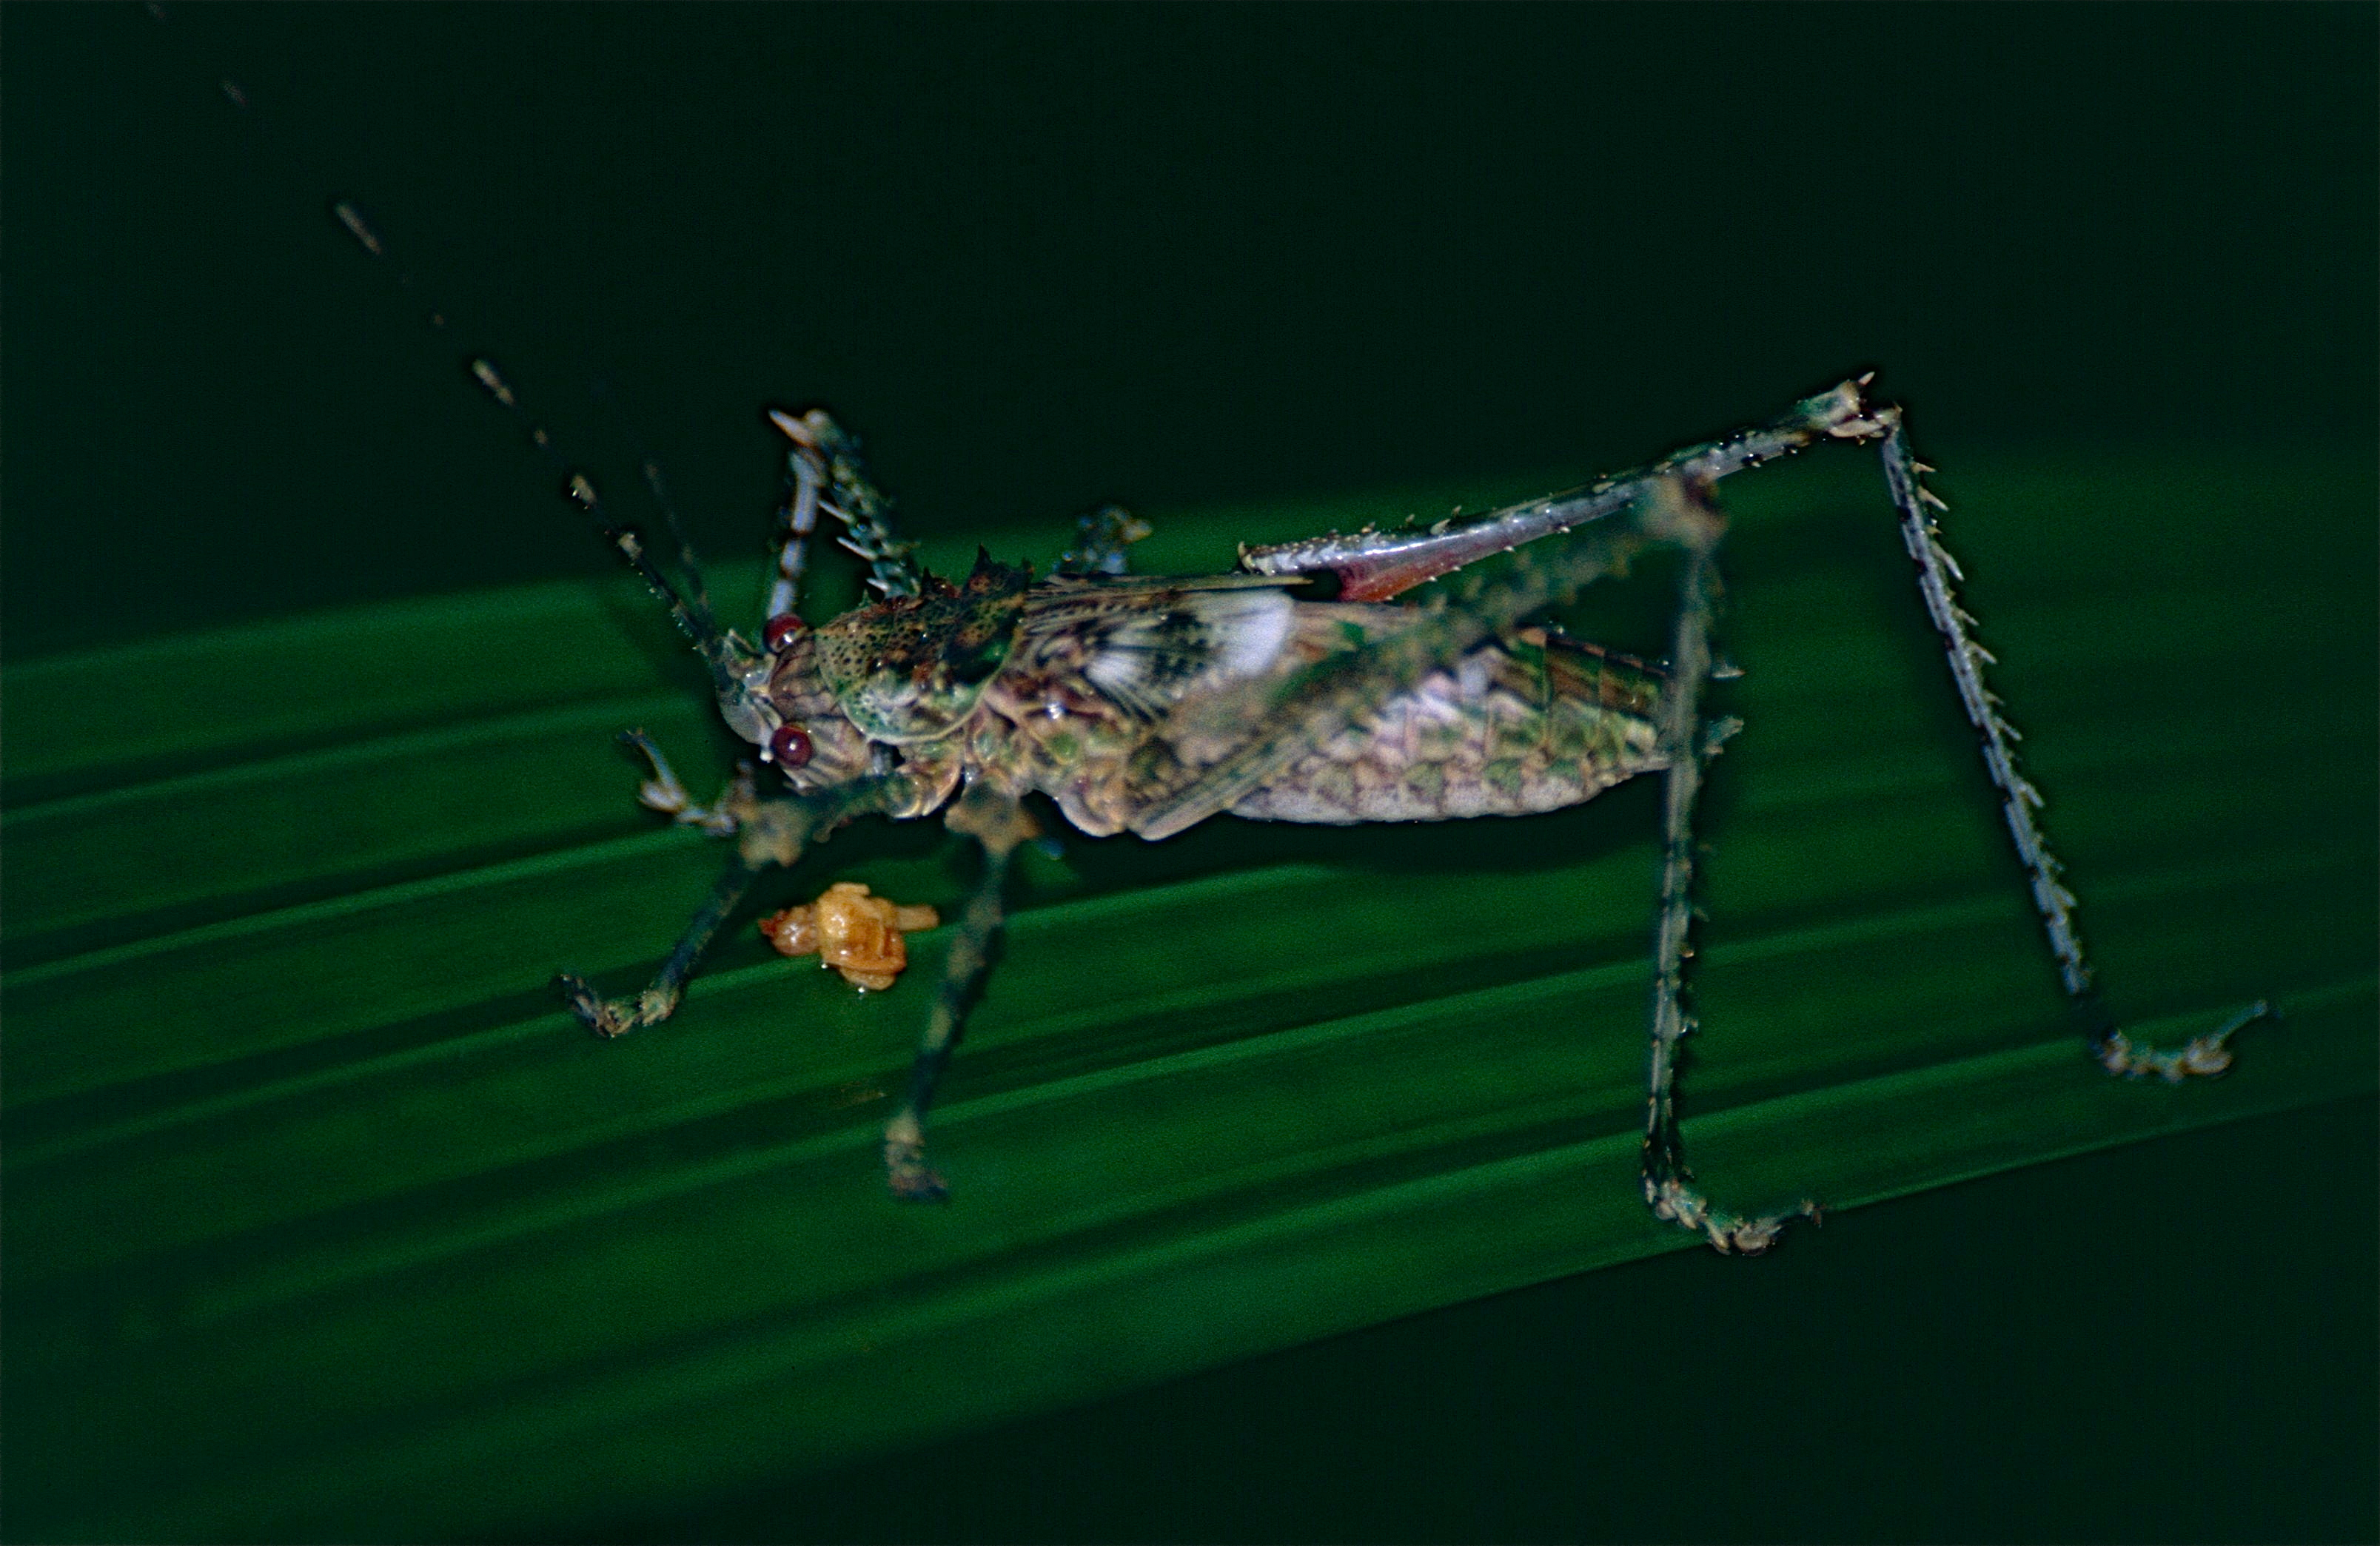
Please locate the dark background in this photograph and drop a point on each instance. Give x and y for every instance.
(1179, 256)
(1195, 255)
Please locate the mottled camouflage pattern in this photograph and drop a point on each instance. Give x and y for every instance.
(1109, 695)
(1532, 726)
(911, 668)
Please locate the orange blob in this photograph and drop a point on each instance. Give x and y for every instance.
(852, 931)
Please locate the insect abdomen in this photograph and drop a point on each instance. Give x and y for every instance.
(1534, 725)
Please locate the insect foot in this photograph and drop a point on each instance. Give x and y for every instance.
(852, 931)
(2204, 1056)
(609, 1017)
(1671, 1198)
(664, 793)
(904, 1162)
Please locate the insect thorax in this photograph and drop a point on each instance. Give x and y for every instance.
(911, 670)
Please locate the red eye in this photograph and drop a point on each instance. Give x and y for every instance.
(781, 631)
(790, 748)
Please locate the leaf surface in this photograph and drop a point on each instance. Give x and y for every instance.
(317, 1201)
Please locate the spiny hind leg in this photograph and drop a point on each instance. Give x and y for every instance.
(1608, 524)
(1374, 565)
(999, 825)
(1937, 573)
(1686, 743)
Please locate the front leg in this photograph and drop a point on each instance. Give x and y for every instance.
(619, 1016)
(765, 832)
(997, 822)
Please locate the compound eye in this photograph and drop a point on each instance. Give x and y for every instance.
(789, 747)
(781, 631)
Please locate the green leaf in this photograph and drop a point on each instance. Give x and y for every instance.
(318, 1202)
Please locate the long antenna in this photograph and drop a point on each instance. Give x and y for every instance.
(687, 599)
(690, 608)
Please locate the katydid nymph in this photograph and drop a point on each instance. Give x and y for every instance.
(1305, 686)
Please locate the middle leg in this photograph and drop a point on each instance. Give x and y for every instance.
(999, 825)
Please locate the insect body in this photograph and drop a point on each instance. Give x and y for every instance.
(1305, 686)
